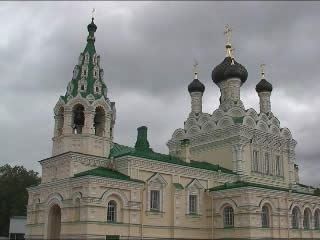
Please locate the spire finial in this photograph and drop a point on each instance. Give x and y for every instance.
(195, 67)
(227, 33)
(232, 51)
(262, 69)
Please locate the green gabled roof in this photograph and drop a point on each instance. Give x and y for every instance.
(178, 186)
(121, 150)
(240, 184)
(107, 173)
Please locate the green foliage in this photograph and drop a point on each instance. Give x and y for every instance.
(317, 192)
(13, 193)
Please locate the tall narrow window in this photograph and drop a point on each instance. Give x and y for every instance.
(77, 210)
(228, 217)
(155, 200)
(278, 171)
(78, 119)
(255, 161)
(193, 204)
(306, 219)
(295, 218)
(267, 163)
(265, 217)
(112, 211)
(99, 121)
(317, 220)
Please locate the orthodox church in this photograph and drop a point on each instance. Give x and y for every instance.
(229, 174)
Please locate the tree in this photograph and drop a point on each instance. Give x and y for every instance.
(13, 193)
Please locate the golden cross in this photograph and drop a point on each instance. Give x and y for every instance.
(227, 33)
(195, 66)
(93, 11)
(262, 69)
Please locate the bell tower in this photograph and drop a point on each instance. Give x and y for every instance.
(84, 116)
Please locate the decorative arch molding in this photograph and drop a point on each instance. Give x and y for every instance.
(75, 196)
(178, 134)
(285, 132)
(228, 202)
(307, 206)
(79, 100)
(296, 204)
(225, 122)
(208, 126)
(252, 113)
(117, 192)
(157, 178)
(268, 202)
(263, 117)
(249, 121)
(190, 123)
(101, 103)
(217, 115)
(261, 125)
(193, 130)
(54, 198)
(205, 117)
(313, 211)
(236, 112)
(275, 121)
(274, 130)
(195, 184)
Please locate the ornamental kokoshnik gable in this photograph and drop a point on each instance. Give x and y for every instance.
(228, 175)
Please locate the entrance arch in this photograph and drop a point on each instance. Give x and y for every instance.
(54, 222)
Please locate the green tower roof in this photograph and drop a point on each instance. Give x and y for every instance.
(87, 77)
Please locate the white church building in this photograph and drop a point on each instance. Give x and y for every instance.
(229, 174)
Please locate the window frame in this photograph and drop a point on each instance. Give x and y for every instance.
(295, 218)
(265, 217)
(228, 217)
(157, 202)
(193, 205)
(112, 211)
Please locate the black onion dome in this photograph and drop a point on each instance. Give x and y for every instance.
(264, 86)
(218, 72)
(196, 86)
(227, 70)
(92, 27)
(236, 70)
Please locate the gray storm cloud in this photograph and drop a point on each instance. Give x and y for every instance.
(147, 51)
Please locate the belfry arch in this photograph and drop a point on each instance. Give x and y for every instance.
(99, 121)
(54, 222)
(78, 119)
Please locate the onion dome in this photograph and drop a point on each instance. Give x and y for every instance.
(196, 85)
(236, 70)
(263, 85)
(229, 68)
(92, 27)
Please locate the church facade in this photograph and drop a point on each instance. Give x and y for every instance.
(228, 175)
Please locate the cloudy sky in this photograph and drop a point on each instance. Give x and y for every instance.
(147, 51)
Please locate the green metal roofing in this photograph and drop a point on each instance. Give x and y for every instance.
(90, 80)
(178, 186)
(240, 184)
(107, 173)
(121, 150)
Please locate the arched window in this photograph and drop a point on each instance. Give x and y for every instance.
(112, 211)
(78, 119)
(295, 217)
(306, 219)
(77, 210)
(99, 121)
(228, 216)
(265, 217)
(316, 219)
